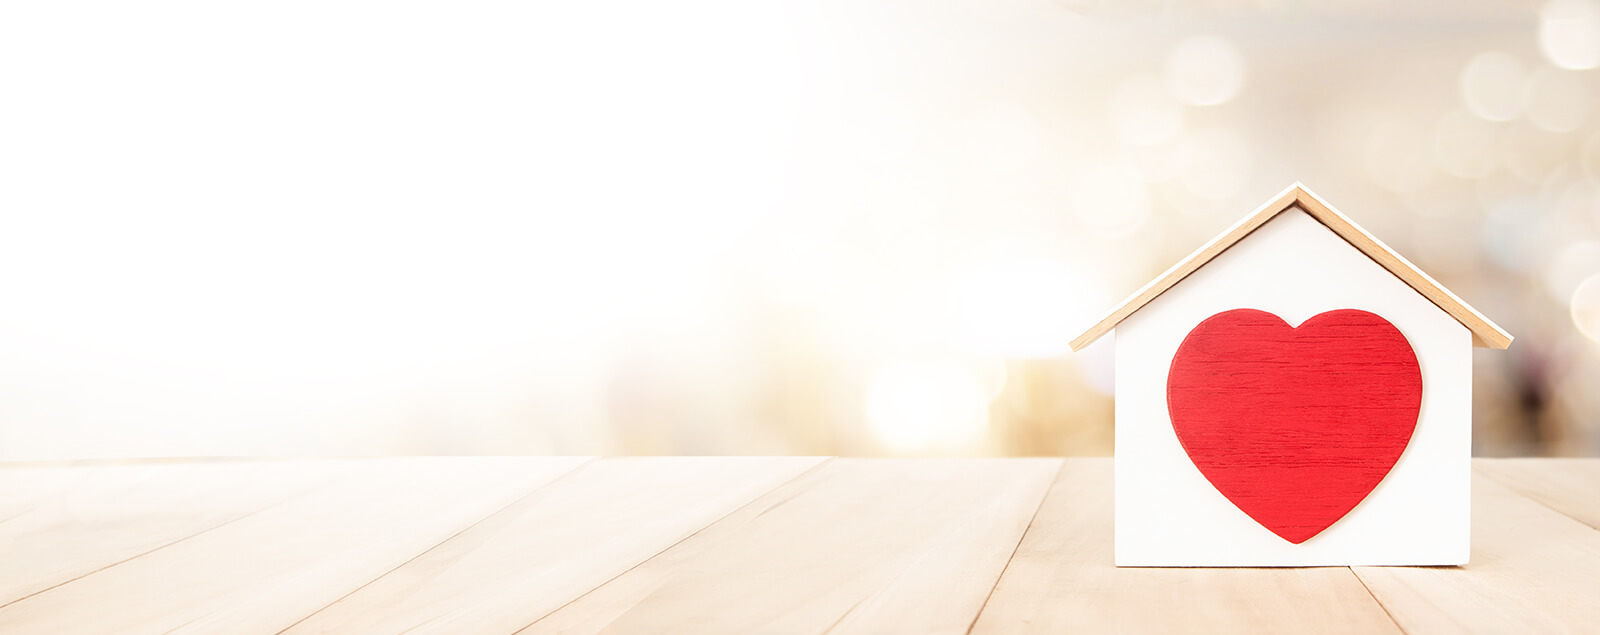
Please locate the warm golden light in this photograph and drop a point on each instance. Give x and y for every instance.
(1205, 70)
(1569, 33)
(927, 407)
(715, 227)
(1491, 86)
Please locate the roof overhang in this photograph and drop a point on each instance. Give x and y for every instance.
(1485, 334)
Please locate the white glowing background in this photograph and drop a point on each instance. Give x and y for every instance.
(718, 226)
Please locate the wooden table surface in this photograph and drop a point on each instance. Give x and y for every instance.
(720, 545)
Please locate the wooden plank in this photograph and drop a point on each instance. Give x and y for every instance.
(1532, 571)
(263, 572)
(1062, 580)
(61, 523)
(1569, 486)
(552, 547)
(875, 545)
(24, 487)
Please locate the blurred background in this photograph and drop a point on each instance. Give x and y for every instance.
(855, 227)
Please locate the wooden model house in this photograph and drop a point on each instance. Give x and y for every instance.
(1294, 393)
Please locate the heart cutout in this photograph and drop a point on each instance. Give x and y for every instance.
(1295, 426)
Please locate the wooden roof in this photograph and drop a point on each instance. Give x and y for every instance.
(1485, 334)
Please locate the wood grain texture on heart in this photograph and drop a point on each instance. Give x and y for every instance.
(1295, 426)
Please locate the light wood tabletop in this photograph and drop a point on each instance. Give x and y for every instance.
(719, 545)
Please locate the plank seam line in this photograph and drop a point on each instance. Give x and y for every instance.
(1014, 549)
(15, 516)
(1375, 600)
(291, 496)
(848, 611)
(563, 476)
(1524, 493)
(180, 627)
(798, 477)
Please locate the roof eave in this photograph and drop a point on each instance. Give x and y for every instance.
(1485, 333)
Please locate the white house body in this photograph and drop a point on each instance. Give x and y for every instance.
(1285, 261)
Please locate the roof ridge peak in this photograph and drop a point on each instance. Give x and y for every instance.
(1485, 333)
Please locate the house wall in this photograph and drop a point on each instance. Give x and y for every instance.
(1168, 514)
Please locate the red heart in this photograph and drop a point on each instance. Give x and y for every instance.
(1295, 426)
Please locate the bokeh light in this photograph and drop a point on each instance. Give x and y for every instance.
(1112, 200)
(1143, 112)
(1205, 70)
(1586, 307)
(925, 407)
(1003, 140)
(709, 227)
(1465, 146)
(1532, 154)
(1397, 156)
(1557, 100)
(1570, 267)
(1216, 163)
(1511, 235)
(1590, 156)
(1569, 33)
(1018, 308)
(1491, 86)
